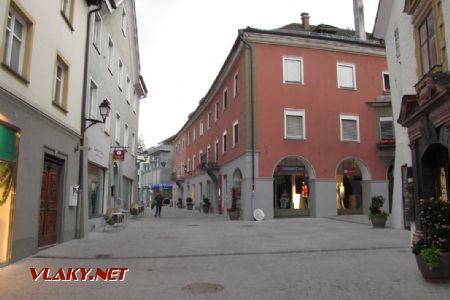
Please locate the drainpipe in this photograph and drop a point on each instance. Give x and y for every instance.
(80, 204)
(252, 116)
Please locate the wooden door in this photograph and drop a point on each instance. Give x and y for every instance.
(49, 204)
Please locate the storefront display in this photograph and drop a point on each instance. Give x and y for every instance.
(348, 188)
(96, 176)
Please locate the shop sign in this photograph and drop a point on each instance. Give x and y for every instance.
(161, 185)
(119, 154)
(350, 171)
(291, 169)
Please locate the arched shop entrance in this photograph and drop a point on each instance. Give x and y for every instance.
(435, 173)
(291, 193)
(349, 194)
(237, 188)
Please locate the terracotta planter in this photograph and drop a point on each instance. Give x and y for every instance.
(378, 222)
(439, 274)
(234, 214)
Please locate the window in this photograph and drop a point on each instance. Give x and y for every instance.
(67, 10)
(208, 122)
(110, 56)
(346, 76)
(236, 85)
(60, 83)
(428, 51)
(201, 127)
(294, 124)
(225, 99)
(235, 133)
(133, 144)
(120, 77)
(189, 138)
(386, 82)
(201, 157)
(183, 143)
(194, 134)
(117, 132)
(93, 100)
(216, 112)
(224, 142)
(128, 92)
(193, 162)
(397, 43)
(126, 135)
(124, 22)
(17, 41)
(386, 128)
(107, 125)
(189, 165)
(349, 128)
(216, 150)
(208, 153)
(97, 32)
(292, 70)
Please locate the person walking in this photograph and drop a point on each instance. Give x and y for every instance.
(159, 202)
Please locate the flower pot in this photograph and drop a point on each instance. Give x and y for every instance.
(439, 274)
(378, 222)
(205, 209)
(234, 214)
(189, 206)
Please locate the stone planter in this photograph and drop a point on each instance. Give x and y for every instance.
(439, 274)
(189, 206)
(234, 214)
(205, 209)
(378, 222)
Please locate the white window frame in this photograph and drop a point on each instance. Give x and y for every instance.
(285, 75)
(133, 144)
(117, 129)
(93, 99)
(352, 117)
(97, 32)
(124, 22)
(15, 16)
(201, 129)
(384, 83)
(194, 134)
(188, 169)
(111, 55)
(193, 162)
(296, 113)
(236, 84)
(216, 111)
(126, 135)
(208, 122)
(120, 77)
(224, 142)
(107, 124)
(234, 133)
(386, 119)
(225, 99)
(216, 150)
(128, 91)
(66, 9)
(347, 65)
(59, 94)
(208, 153)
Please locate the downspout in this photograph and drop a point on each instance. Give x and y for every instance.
(80, 204)
(252, 116)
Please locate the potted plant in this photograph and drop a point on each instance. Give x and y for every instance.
(378, 216)
(432, 249)
(234, 212)
(206, 205)
(189, 203)
(180, 203)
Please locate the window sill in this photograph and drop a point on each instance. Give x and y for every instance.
(295, 138)
(15, 74)
(67, 21)
(294, 82)
(347, 88)
(64, 110)
(351, 141)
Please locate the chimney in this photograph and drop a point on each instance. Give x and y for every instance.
(305, 20)
(358, 11)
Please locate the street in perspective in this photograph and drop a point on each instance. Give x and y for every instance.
(190, 255)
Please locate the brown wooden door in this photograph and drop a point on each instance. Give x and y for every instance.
(49, 204)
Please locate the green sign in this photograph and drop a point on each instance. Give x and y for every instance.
(7, 143)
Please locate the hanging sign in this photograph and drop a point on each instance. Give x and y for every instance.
(119, 154)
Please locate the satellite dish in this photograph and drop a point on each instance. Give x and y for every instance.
(258, 214)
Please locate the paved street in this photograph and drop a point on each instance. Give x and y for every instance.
(189, 255)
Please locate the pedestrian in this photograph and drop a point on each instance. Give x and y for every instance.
(159, 202)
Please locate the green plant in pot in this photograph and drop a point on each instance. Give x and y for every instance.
(432, 250)
(378, 216)
(189, 203)
(206, 205)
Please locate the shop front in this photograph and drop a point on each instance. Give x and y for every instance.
(348, 188)
(9, 138)
(291, 195)
(96, 185)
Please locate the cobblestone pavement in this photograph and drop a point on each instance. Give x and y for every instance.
(190, 255)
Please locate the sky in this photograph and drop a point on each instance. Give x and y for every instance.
(184, 43)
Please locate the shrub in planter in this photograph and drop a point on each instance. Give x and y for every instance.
(189, 203)
(377, 215)
(206, 205)
(180, 203)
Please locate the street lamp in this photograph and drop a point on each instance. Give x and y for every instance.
(105, 108)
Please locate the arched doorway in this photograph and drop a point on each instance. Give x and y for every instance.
(291, 193)
(435, 172)
(236, 189)
(349, 193)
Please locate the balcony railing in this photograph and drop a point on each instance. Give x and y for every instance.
(386, 144)
(208, 166)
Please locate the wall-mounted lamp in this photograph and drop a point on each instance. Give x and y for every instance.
(105, 108)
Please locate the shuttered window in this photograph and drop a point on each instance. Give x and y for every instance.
(292, 70)
(294, 121)
(349, 128)
(386, 128)
(346, 76)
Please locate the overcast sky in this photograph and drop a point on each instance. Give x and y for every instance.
(183, 44)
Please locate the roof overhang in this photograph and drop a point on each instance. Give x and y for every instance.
(382, 19)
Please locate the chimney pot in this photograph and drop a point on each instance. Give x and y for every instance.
(305, 20)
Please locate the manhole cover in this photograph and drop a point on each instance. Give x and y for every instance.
(203, 288)
(103, 256)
